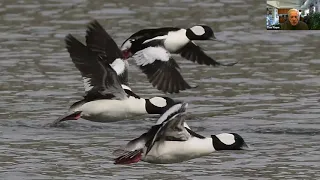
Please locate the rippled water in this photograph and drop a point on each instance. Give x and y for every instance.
(271, 97)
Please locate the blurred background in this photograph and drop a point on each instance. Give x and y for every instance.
(271, 97)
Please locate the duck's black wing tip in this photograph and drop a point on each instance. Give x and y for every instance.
(228, 64)
(99, 41)
(194, 53)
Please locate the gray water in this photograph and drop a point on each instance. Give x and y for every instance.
(271, 97)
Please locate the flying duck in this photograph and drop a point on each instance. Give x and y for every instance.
(172, 141)
(152, 48)
(107, 95)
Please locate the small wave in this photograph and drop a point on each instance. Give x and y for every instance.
(291, 131)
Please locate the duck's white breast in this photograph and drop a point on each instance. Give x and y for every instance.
(110, 110)
(176, 40)
(178, 151)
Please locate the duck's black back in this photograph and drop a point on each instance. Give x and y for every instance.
(145, 34)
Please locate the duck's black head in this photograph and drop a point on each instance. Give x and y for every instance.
(159, 105)
(228, 141)
(200, 32)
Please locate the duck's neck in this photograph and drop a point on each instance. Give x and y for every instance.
(137, 105)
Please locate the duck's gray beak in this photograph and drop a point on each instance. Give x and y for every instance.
(215, 39)
(246, 147)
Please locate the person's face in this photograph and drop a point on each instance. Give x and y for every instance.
(293, 18)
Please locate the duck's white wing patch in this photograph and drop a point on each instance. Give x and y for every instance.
(86, 84)
(156, 38)
(150, 54)
(118, 65)
(161, 70)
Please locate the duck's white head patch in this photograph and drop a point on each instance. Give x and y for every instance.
(226, 138)
(198, 30)
(158, 101)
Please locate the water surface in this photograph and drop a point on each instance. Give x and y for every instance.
(271, 97)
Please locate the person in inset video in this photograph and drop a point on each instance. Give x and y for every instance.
(293, 22)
